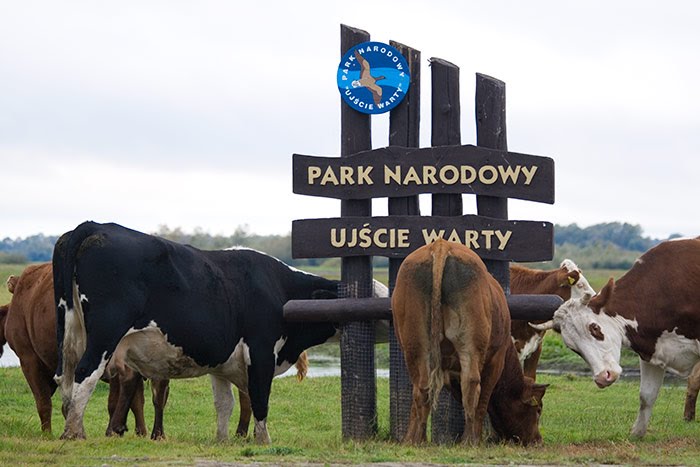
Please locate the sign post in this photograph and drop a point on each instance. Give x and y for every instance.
(371, 84)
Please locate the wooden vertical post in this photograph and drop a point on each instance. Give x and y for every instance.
(491, 133)
(358, 374)
(404, 130)
(448, 418)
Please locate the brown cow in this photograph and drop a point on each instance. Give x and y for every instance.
(29, 327)
(654, 309)
(567, 281)
(452, 322)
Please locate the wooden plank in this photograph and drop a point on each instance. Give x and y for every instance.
(447, 422)
(358, 382)
(397, 236)
(527, 307)
(404, 130)
(401, 171)
(491, 133)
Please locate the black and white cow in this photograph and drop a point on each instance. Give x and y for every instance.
(180, 312)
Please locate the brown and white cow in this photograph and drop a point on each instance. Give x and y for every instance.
(654, 309)
(567, 281)
(452, 322)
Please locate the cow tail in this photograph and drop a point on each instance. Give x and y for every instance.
(302, 366)
(436, 379)
(70, 321)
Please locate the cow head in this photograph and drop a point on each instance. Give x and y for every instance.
(516, 419)
(570, 276)
(596, 336)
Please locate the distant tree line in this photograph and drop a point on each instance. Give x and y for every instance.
(611, 245)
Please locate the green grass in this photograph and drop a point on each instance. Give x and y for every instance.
(580, 424)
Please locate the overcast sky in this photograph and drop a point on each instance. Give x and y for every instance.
(186, 114)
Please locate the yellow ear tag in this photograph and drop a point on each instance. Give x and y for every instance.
(571, 280)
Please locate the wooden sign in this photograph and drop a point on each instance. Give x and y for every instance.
(399, 171)
(397, 236)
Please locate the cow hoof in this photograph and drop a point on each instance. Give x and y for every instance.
(116, 431)
(70, 436)
(157, 436)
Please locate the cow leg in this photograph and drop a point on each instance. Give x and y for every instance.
(417, 364)
(112, 404)
(260, 373)
(160, 389)
(223, 402)
(651, 378)
(137, 403)
(490, 375)
(82, 391)
(42, 385)
(691, 395)
(125, 391)
(246, 412)
(470, 381)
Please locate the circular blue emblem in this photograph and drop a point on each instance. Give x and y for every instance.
(373, 77)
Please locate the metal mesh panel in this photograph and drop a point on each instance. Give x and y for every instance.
(447, 419)
(358, 373)
(400, 389)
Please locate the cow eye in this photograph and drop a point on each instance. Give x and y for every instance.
(596, 332)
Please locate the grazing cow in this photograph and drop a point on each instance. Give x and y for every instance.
(452, 322)
(180, 312)
(567, 281)
(654, 309)
(29, 326)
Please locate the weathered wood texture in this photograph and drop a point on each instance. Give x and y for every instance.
(397, 236)
(491, 133)
(404, 130)
(397, 170)
(528, 307)
(358, 375)
(447, 421)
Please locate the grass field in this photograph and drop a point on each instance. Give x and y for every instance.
(580, 425)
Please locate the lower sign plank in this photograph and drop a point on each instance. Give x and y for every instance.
(397, 236)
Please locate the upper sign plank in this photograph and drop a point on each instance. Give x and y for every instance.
(397, 171)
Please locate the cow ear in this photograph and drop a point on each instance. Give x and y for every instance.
(604, 295)
(568, 278)
(11, 283)
(535, 395)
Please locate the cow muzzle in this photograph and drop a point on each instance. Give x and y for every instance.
(605, 378)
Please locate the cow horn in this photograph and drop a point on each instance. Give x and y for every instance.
(544, 326)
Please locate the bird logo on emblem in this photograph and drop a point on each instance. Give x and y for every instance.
(367, 80)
